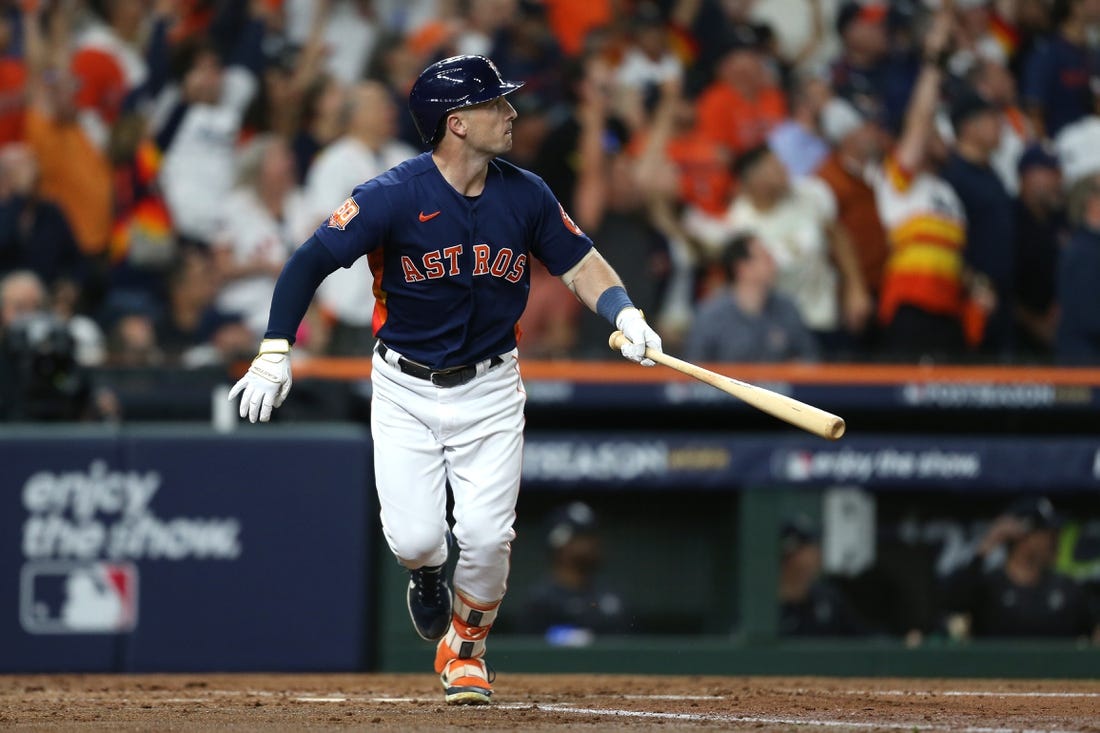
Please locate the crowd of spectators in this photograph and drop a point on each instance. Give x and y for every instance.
(791, 179)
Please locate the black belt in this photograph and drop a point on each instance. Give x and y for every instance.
(450, 377)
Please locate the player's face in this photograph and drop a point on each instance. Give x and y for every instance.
(489, 126)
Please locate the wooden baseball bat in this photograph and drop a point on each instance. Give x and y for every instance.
(807, 417)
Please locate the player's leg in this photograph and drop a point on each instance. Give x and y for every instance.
(410, 479)
(484, 461)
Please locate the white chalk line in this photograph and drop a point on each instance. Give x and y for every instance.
(946, 693)
(770, 720)
(211, 695)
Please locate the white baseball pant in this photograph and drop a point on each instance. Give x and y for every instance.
(470, 436)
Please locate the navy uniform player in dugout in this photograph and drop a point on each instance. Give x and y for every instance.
(1024, 596)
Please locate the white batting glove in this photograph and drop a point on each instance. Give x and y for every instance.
(638, 334)
(266, 383)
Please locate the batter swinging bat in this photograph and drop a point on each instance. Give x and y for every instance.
(799, 414)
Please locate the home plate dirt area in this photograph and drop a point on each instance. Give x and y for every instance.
(543, 703)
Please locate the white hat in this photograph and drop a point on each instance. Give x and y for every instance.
(839, 118)
(1078, 148)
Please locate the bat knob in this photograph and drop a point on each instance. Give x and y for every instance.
(616, 340)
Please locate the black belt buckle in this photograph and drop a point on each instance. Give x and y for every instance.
(445, 378)
(455, 377)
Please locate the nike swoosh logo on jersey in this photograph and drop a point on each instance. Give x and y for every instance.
(428, 217)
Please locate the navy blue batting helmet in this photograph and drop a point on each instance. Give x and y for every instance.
(450, 84)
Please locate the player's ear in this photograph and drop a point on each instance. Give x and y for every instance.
(456, 123)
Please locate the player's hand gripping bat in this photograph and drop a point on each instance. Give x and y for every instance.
(799, 414)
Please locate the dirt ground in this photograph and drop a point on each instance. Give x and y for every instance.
(542, 703)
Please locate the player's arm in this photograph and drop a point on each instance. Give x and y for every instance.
(598, 286)
(268, 380)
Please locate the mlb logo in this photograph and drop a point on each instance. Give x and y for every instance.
(78, 597)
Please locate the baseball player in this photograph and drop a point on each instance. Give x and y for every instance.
(450, 236)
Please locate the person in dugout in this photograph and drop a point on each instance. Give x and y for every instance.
(1023, 595)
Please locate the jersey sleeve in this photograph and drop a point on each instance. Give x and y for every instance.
(358, 225)
(558, 242)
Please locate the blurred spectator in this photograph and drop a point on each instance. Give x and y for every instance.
(981, 34)
(927, 295)
(549, 323)
(1055, 85)
(120, 58)
(322, 121)
(571, 606)
(34, 233)
(856, 145)
(796, 222)
(1078, 147)
(348, 31)
(743, 103)
(192, 285)
(809, 605)
(132, 342)
(21, 294)
(747, 320)
(143, 239)
(573, 20)
(648, 62)
(780, 22)
(192, 332)
(396, 64)
(367, 148)
(988, 208)
(1041, 230)
(591, 127)
(1078, 336)
(992, 81)
(263, 220)
(687, 185)
(40, 375)
(709, 29)
(873, 73)
(74, 172)
(13, 79)
(798, 141)
(611, 208)
(526, 49)
(1022, 596)
(481, 22)
(198, 122)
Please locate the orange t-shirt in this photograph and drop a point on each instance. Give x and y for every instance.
(13, 99)
(571, 20)
(76, 176)
(702, 172)
(736, 122)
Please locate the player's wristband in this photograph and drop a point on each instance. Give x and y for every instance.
(612, 302)
(275, 346)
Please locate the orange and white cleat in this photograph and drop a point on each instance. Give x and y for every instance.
(467, 682)
(459, 661)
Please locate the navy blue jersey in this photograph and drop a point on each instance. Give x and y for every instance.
(452, 272)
